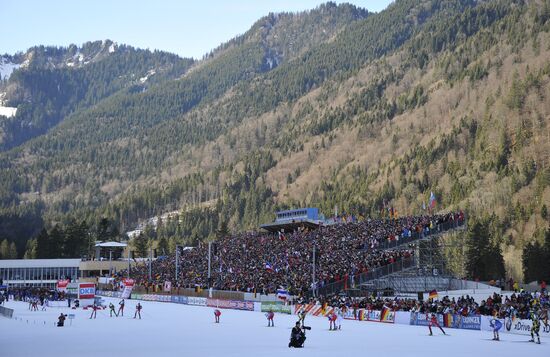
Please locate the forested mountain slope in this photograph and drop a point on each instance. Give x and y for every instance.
(449, 97)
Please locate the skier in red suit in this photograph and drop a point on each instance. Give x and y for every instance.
(432, 321)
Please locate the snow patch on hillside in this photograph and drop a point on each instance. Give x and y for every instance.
(146, 77)
(7, 68)
(8, 111)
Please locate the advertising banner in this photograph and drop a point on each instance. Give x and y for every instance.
(180, 300)
(230, 304)
(449, 320)
(159, 298)
(469, 322)
(276, 307)
(373, 315)
(86, 291)
(515, 326)
(197, 301)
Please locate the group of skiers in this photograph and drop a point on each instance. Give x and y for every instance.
(118, 313)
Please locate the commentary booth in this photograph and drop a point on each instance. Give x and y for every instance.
(294, 219)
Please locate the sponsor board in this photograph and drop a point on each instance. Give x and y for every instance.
(86, 291)
(113, 294)
(373, 315)
(276, 307)
(180, 300)
(448, 320)
(159, 298)
(197, 301)
(515, 326)
(350, 314)
(230, 304)
(469, 322)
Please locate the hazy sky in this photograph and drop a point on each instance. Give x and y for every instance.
(186, 27)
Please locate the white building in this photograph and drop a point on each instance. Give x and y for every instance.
(38, 272)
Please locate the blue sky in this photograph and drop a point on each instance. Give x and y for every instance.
(189, 28)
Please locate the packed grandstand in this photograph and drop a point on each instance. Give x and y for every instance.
(263, 262)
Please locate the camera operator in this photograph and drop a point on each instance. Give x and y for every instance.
(298, 335)
(61, 320)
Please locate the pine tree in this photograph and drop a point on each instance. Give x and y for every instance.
(75, 240)
(13, 251)
(42, 244)
(140, 245)
(55, 248)
(30, 249)
(5, 249)
(222, 230)
(162, 247)
(485, 260)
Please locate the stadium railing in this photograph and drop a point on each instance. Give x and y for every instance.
(362, 278)
(416, 236)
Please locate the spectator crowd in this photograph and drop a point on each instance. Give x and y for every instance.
(264, 262)
(518, 304)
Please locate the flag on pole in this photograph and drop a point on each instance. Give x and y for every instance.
(282, 236)
(283, 294)
(433, 295)
(432, 200)
(268, 267)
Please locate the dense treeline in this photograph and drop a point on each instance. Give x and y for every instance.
(46, 92)
(535, 260)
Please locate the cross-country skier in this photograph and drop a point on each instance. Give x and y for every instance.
(217, 314)
(339, 317)
(138, 311)
(496, 325)
(432, 321)
(302, 315)
(120, 308)
(112, 310)
(535, 326)
(270, 316)
(332, 321)
(94, 311)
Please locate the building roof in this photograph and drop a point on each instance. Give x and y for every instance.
(111, 245)
(39, 263)
(290, 225)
